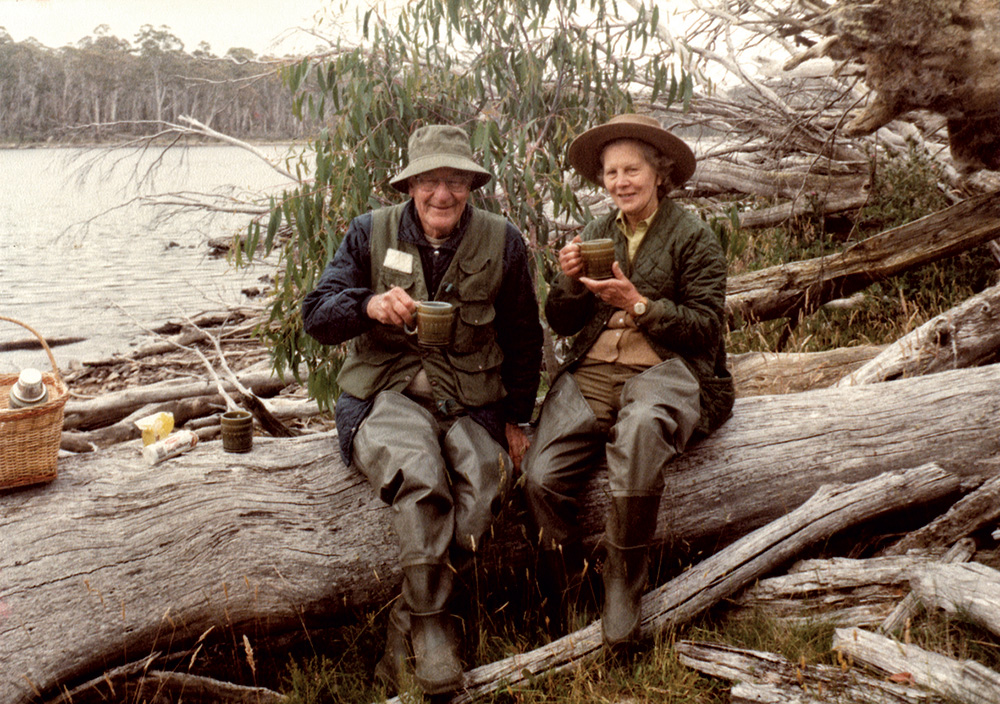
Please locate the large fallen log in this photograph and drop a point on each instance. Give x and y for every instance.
(113, 407)
(801, 287)
(116, 558)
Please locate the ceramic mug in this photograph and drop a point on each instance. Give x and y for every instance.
(598, 256)
(434, 323)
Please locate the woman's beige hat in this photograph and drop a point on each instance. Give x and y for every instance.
(437, 146)
(585, 151)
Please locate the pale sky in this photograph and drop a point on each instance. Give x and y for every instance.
(255, 24)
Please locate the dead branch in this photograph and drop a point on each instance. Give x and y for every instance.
(965, 681)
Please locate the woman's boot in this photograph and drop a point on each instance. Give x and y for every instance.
(628, 533)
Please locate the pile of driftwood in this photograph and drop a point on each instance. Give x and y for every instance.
(196, 369)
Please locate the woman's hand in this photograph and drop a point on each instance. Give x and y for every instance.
(394, 307)
(618, 291)
(571, 260)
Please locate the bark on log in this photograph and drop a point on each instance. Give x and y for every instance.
(788, 289)
(832, 509)
(965, 336)
(772, 678)
(286, 534)
(970, 589)
(966, 681)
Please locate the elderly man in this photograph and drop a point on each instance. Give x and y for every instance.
(436, 430)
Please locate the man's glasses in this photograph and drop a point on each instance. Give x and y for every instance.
(429, 184)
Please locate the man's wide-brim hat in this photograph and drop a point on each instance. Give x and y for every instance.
(585, 151)
(439, 146)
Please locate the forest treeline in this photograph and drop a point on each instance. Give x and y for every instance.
(105, 87)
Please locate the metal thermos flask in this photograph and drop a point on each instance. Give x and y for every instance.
(29, 390)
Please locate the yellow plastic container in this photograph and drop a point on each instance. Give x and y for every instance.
(155, 427)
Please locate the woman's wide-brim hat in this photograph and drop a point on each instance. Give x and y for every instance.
(439, 146)
(585, 151)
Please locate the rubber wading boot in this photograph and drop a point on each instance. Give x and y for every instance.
(427, 589)
(394, 667)
(629, 530)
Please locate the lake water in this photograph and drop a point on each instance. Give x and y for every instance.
(77, 260)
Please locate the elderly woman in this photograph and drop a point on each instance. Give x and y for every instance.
(645, 374)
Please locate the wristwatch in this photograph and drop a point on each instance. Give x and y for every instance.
(639, 307)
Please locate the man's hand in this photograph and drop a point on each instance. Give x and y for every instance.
(618, 291)
(394, 307)
(518, 443)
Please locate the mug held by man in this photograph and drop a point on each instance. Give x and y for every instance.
(435, 322)
(598, 256)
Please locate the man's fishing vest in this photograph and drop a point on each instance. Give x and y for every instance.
(385, 357)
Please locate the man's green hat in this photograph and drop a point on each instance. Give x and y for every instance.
(437, 146)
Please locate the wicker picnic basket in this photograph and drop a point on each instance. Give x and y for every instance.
(29, 437)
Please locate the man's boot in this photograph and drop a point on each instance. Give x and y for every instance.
(394, 666)
(427, 590)
(629, 530)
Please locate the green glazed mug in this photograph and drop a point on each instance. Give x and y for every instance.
(598, 256)
(435, 320)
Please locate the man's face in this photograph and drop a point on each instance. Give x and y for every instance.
(440, 196)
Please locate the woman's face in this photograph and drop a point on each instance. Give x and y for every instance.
(631, 180)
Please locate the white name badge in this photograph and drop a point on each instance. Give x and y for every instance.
(400, 261)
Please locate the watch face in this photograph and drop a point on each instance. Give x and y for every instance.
(639, 308)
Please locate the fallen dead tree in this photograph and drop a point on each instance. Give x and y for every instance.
(116, 558)
(786, 290)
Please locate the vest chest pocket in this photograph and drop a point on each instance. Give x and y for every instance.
(476, 280)
(474, 327)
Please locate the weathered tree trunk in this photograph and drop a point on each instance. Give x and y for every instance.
(966, 681)
(966, 335)
(788, 289)
(938, 55)
(116, 558)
